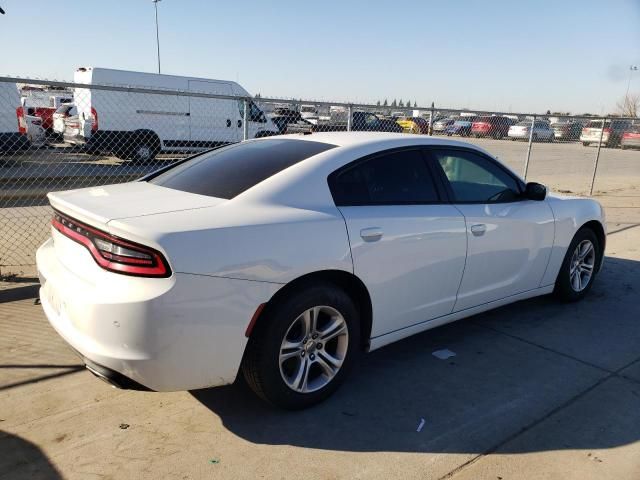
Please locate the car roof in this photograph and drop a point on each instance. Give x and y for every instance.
(381, 139)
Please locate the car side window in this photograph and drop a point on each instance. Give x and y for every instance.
(476, 179)
(395, 178)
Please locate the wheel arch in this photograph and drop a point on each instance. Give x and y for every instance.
(347, 281)
(596, 227)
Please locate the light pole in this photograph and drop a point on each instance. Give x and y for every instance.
(155, 4)
(632, 68)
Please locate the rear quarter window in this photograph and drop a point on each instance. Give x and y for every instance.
(229, 171)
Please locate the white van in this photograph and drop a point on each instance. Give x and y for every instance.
(12, 132)
(140, 125)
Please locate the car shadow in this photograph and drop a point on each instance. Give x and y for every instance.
(537, 363)
(22, 459)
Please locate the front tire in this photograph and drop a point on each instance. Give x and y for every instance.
(580, 266)
(304, 347)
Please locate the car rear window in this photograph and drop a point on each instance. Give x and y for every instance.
(229, 171)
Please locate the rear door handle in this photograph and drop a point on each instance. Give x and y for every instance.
(479, 229)
(372, 234)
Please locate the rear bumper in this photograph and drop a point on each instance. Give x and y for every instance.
(630, 142)
(178, 333)
(519, 135)
(594, 138)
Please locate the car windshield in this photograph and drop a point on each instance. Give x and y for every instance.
(229, 171)
(523, 124)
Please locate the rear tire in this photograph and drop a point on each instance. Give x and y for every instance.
(585, 144)
(579, 267)
(144, 147)
(292, 364)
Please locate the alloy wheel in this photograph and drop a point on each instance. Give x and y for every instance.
(582, 264)
(313, 349)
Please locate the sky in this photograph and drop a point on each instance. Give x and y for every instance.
(570, 55)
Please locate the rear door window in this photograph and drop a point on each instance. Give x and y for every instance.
(229, 171)
(394, 178)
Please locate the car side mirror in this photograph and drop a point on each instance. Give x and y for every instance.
(535, 191)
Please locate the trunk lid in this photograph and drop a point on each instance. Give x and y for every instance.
(99, 205)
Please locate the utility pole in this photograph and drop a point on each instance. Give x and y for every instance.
(155, 4)
(632, 68)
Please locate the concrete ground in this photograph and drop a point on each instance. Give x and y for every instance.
(537, 389)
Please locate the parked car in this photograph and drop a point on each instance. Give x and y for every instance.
(439, 126)
(567, 130)
(414, 125)
(611, 135)
(44, 107)
(522, 131)
(308, 111)
(13, 129)
(360, 122)
(36, 134)
(140, 125)
(461, 127)
(631, 138)
(63, 111)
(491, 126)
(290, 121)
(283, 258)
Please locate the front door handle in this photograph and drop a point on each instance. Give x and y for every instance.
(239, 123)
(228, 122)
(372, 234)
(479, 229)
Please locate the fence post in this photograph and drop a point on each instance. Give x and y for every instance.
(595, 167)
(245, 124)
(526, 161)
(349, 119)
(431, 119)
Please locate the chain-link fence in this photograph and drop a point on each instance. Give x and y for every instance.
(64, 135)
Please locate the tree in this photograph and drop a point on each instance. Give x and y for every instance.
(400, 103)
(378, 103)
(385, 103)
(415, 104)
(629, 106)
(394, 103)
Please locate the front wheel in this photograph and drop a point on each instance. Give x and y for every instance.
(579, 267)
(303, 348)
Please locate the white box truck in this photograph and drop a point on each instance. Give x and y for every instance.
(13, 129)
(138, 125)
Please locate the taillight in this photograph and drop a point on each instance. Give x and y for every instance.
(94, 114)
(22, 124)
(607, 130)
(113, 253)
(585, 130)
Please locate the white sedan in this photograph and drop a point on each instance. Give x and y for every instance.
(284, 258)
(542, 131)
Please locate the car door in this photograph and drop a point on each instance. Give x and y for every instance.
(407, 245)
(509, 237)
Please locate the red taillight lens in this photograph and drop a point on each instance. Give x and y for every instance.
(113, 253)
(607, 130)
(22, 124)
(94, 114)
